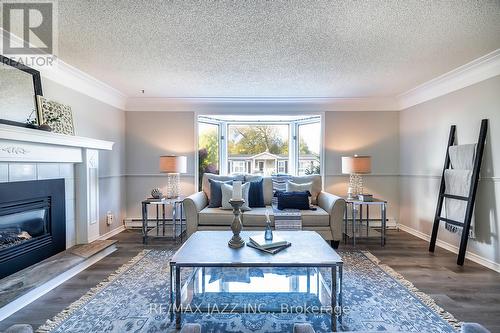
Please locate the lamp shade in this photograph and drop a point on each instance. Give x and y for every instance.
(173, 164)
(356, 164)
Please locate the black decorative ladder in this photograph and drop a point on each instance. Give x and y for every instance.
(471, 198)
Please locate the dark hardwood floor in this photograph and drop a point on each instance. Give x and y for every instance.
(471, 293)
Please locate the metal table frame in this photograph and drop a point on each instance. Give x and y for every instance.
(177, 220)
(176, 287)
(355, 217)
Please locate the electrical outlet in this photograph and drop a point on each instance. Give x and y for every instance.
(110, 218)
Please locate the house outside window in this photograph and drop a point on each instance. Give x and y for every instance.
(302, 167)
(239, 167)
(260, 166)
(308, 165)
(282, 166)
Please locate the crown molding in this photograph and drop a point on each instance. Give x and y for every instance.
(478, 70)
(244, 104)
(73, 78)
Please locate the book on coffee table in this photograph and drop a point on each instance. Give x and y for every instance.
(273, 250)
(262, 242)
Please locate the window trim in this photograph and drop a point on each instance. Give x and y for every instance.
(219, 131)
(321, 148)
(293, 160)
(240, 165)
(282, 166)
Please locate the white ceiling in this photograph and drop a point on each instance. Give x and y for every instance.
(273, 48)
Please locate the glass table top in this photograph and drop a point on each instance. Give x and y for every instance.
(264, 289)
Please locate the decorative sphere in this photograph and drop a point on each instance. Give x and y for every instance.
(156, 193)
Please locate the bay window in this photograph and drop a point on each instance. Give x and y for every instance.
(261, 145)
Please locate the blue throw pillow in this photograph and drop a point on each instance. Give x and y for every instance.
(216, 192)
(293, 200)
(256, 194)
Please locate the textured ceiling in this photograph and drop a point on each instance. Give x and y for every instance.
(273, 48)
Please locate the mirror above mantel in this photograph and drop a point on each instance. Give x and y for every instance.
(19, 86)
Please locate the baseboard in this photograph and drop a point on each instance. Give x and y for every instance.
(112, 233)
(452, 248)
(38, 292)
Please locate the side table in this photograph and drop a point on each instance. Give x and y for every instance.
(356, 229)
(178, 226)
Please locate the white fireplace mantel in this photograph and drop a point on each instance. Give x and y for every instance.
(18, 144)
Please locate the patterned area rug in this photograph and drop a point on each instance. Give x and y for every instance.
(135, 299)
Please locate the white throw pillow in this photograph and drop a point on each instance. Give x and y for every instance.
(227, 194)
(294, 187)
(316, 185)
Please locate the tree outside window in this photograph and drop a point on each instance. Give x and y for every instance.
(260, 146)
(208, 149)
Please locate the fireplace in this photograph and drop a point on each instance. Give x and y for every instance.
(32, 223)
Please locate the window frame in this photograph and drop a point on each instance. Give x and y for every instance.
(283, 166)
(297, 139)
(293, 138)
(219, 132)
(241, 165)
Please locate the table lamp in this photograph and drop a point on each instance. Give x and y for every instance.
(173, 166)
(355, 166)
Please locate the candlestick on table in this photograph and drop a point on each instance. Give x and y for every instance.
(236, 241)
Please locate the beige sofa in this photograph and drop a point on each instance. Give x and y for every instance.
(327, 219)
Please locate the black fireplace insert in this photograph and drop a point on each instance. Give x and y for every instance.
(32, 223)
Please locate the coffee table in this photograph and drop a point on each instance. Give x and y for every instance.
(209, 249)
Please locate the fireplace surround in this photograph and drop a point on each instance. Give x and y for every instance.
(32, 223)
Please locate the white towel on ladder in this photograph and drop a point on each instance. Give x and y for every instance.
(462, 156)
(458, 182)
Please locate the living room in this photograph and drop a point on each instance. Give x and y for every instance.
(135, 132)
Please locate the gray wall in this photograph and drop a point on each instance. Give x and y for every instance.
(98, 120)
(374, 133)
(424, 132)
(150, 135)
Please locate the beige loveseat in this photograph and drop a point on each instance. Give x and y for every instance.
(327, 219)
